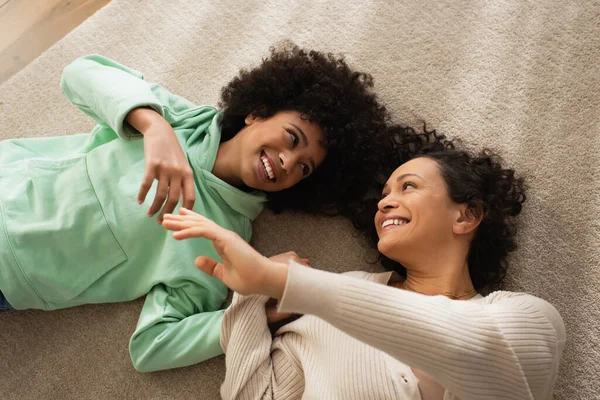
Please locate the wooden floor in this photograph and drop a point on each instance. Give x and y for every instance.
(29, 27)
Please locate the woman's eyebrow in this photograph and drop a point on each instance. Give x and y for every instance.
(386, 186)
(406, 175)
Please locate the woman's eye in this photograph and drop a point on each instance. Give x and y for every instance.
(406, 185)
(383, 196)
(294, 138)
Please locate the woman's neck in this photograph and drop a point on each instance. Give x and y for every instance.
(449, 278)
(454, 287)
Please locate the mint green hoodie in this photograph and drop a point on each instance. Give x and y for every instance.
(71, 231)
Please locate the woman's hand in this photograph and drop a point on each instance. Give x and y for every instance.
(165, 162)
(243, 269)
(273, 315)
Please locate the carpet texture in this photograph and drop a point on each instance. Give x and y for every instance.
(521, 77)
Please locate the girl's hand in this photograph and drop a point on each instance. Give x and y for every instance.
(243, 269)
(165, 162)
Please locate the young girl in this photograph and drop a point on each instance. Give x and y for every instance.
(302, 130)
(446, 216)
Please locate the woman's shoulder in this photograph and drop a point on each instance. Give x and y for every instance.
(517, 299)
(524, 302)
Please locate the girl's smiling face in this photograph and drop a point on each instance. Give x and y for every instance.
(279, 151)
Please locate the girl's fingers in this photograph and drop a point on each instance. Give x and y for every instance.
(162, 190)
(172, 200)
(189, 194)
(145, 186)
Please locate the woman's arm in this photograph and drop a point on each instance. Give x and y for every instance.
(506, 347)
(253, 370)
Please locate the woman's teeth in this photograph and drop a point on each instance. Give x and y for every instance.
(268, 168)
(388, 222)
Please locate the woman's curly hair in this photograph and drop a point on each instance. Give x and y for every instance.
(326, 91)
(479, 180)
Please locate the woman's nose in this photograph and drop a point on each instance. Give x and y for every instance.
(387, 203)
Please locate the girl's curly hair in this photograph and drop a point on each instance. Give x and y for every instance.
(478, 180)
(326, 91)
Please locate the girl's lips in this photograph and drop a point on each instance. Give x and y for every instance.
(262, 174)
(266, 160)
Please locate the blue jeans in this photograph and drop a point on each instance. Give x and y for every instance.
(4, 305)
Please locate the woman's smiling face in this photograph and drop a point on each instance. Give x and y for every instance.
(415, 213)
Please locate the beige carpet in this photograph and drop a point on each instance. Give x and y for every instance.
(520, 76)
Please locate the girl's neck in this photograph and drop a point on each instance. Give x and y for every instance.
(225, 167)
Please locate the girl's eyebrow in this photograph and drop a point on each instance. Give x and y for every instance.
(305, 144)
(301, 132)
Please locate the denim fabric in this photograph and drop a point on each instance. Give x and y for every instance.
(4, 305)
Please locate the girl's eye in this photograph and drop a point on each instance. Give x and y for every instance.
(294, 138)
(406, 185)
(383, 195)
(305, 169)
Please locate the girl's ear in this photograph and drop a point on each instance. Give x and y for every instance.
(250, 118)
(254, 115)
(468, 219)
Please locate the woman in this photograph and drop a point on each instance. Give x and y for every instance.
(447, 217)
(300, 130)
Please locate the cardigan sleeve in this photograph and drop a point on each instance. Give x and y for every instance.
(253, 369)
(505, 346)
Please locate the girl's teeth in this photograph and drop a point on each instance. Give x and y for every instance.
(268, 169)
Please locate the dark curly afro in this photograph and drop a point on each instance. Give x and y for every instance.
(479, 180)
(326, 91)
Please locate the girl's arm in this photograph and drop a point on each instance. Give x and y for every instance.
(175, 330)
(107, 91)
(165, 162)
(118, 97)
